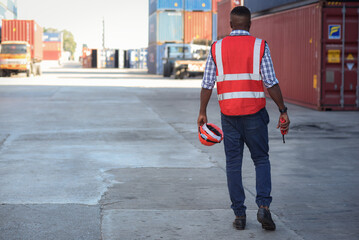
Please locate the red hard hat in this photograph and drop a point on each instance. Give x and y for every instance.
(209, 134)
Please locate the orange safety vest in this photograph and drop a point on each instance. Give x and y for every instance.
(239, 82)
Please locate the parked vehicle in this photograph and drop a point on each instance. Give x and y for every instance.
(184, 60)
(21, 47)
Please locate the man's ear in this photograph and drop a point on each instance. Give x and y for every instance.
(249, 25)
(230, 23)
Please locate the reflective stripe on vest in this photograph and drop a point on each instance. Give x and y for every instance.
(233, 95)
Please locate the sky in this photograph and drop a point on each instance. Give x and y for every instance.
(126, 21)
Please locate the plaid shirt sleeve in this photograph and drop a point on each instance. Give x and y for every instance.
(209, 76)
(267, 71)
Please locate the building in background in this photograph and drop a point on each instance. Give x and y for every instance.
(8, 10)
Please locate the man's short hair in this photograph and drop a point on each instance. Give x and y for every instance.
(241, 11)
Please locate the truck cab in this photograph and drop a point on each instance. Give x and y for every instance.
(15, 57)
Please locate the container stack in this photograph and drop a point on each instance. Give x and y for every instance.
(178, 21)
(52, 46)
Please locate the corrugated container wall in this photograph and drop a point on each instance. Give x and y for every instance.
(24, 30)
(198, 26)
(308, 58)
(260, 5)
(198, 5)
(52, 46)
(157, 5)
(224, 9)
(214, 26)
(214, 5)
(294, 40)
(166, 26)
(51, 55)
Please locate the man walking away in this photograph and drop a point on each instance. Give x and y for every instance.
(241, 64)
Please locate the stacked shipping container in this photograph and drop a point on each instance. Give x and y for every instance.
(177, 21)
(52, 46)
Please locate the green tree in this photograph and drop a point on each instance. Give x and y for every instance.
(69, 43)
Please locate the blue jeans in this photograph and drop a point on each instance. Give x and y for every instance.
(253, 131)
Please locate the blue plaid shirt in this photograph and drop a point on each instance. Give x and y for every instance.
(267, 70)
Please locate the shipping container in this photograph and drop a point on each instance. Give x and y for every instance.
(315, 54)
(214, 5)
(51, 55)
(198, 26)
(158, 5)
(52, 37)
(165, 26)
(214, 26)
(24, 30)
(198, 5)
(52, 46)
(257, 6)
(154, 59)
(224, 9)
(111, 58)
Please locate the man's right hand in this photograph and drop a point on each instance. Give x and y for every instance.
(284, 126)
(202, 119)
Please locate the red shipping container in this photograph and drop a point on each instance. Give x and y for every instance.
(52, 46)
(24, 30)
(214, 5)
(314, 56)
(224, 9)
(51, 55)
(197, 25)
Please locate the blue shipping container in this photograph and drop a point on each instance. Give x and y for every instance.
(165, 27)
(52, 37)
(198, 5)
(154, 59)
(152, 28)
(156, 5)
(214, 26)
(260, 5)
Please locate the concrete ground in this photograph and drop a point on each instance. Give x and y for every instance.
(114, 154)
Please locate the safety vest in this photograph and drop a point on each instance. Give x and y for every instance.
(239, 82)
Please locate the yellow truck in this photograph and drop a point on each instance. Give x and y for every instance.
(21, 47)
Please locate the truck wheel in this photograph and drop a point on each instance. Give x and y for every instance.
(167, 70)
(182, 75)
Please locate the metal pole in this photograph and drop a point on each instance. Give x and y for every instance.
(357, 101)
(343, 59)
(103, 33)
